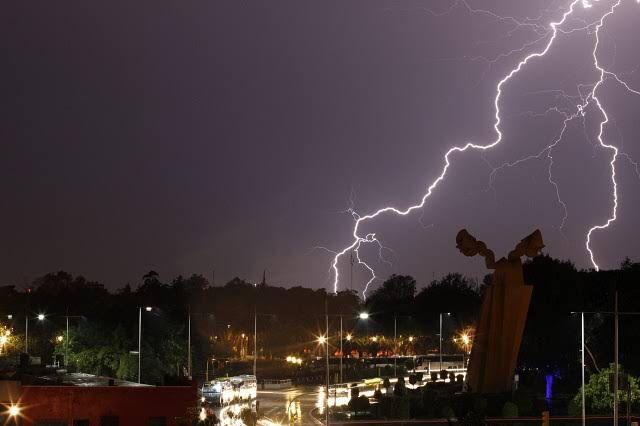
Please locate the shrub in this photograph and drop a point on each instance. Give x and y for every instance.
(403, 410)
(400, 389)
(386, 383)
(413, 379)
(447, 412)
(460, 378)
(574, 409)
(420, 376)
(480, 405)
(355, 392)
(509, 409)
(429, 398)
(525, 403)
(444, 374)
(599, 399)
(434, 376)
(452, 376)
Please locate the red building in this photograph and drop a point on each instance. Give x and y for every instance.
(94, 404)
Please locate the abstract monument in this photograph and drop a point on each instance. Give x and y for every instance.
(504, 312)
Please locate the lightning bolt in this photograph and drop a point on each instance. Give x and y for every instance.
(586, 99)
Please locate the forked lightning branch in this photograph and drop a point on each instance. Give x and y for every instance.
(554, 30)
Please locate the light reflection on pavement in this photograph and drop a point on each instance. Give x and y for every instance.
(303, 405)
(293, 406)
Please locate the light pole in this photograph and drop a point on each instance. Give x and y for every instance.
(207, 375)
(617, 372)
(448, 313)
(395, 346)
(584, 412)
(189, 342)
(148, 309)
(40, 317)
(255, 340)
(364, 316)
(66, 343)
(326, 317)
(341, 354)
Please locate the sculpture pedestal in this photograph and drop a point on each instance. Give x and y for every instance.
(499, 332)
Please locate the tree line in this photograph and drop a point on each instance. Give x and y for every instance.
(104, 324)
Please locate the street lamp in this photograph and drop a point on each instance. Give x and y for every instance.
(363, 315)
(14, 411)
(448, 314)
(148, 309)
(40, 317)
(212, 365)
(395, 344)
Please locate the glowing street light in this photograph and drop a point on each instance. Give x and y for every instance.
(349, 337)
(410, 338)
(14, 411)
(60, 339)
(148, 309)
(363, 315)
(465, 339)
(322, 340)
(40, 317)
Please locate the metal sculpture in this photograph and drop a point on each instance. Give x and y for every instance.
(504, 311)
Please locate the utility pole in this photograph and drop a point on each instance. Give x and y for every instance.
(66, 345)
(616, 368)
(326, 400)
(440, 341)
(139, 342)
(341, 354)
(584, 409)
(395, 346)
(189, 341)
(26, 333)
(255, 339)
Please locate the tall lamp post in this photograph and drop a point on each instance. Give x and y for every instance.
(326, 318)
(40, 317)
(189, 341)
(448, 314)
(66, 343)
(148, 309)
(584, 412)
(395, 342)
(255, 340)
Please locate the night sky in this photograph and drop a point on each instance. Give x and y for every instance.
(192, 136)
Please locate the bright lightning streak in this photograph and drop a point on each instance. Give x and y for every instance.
(593, 96)
(586, 99)
(358, 240)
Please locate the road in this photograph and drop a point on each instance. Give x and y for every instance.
(302, 403)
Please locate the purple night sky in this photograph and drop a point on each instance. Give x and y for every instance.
(231, 135)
